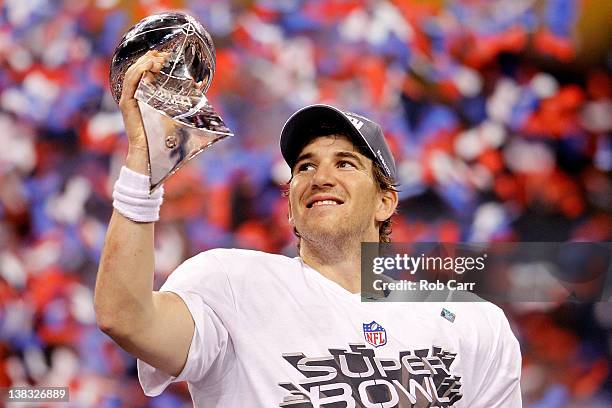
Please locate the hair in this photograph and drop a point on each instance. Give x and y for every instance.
(383, 183)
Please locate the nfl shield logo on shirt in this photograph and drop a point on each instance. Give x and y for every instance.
(375, 334)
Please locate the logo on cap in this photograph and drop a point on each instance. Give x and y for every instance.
(383, 162)
(356, 122)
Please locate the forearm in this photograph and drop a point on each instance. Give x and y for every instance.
(124, 286)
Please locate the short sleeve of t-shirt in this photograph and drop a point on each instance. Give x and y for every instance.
(201, 282)
(498, 384)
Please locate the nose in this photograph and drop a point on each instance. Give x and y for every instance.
(323, 176)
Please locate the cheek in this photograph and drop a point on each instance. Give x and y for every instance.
(369, 201)
(292, 203)
(290, 208)
(296, 190)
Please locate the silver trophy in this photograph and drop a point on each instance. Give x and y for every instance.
(178, 120)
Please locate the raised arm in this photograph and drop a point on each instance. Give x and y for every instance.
(155, 327)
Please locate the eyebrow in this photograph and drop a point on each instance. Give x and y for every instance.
(350, 155)
(303, 156)
(340, 154)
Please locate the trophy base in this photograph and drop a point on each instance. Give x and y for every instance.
(171, 143)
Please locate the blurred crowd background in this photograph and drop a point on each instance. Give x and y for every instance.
(499, 114)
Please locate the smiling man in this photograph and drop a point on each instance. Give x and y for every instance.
(338, 196)
(251, 329)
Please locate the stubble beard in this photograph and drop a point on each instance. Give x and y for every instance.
(333, 241)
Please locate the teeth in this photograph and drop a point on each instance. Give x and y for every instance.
(324, 202)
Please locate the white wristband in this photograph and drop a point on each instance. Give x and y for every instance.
(131, 197)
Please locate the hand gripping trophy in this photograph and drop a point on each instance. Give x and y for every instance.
(178, 120)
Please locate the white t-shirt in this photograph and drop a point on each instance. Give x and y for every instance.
(272, 332)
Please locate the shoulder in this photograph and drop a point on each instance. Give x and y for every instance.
(226, 258)
(246, 274)
(230, 273)
(486, 329)
(239, 264)
(483, 312)
(245, 256)
(481, 317)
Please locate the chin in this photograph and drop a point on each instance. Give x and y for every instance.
(324, 231)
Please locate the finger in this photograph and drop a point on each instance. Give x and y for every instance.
(136, 71)
(143, 63)
(142, 60)
(149, 55)
(148, 77)
(132, 78)
(158, 64)
(137, 67)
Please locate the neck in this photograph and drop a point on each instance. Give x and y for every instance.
(338, 260)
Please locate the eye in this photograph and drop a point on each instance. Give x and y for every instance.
(346, 164)
(305, 166)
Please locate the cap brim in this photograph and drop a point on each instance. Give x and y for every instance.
(304, 124)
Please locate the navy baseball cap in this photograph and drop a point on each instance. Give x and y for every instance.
(320, 119)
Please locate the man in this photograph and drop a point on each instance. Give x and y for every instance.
(250, 329)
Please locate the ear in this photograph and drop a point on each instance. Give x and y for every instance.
(387, 205)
